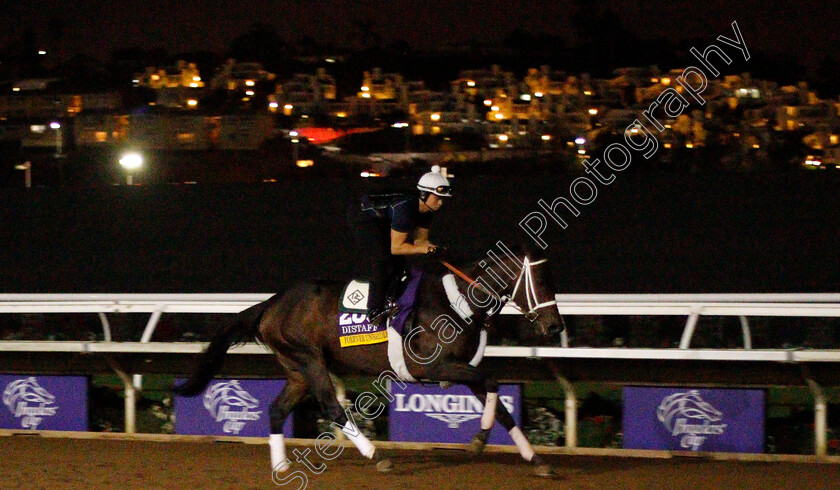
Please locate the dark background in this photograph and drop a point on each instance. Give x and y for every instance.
(651, 233)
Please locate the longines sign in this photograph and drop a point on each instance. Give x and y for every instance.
(428, 413)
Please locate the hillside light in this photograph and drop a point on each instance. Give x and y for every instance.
(435, 116)
(56, 126)
(593, 111)
(488, 102)
(249, 83)
(580, 140)
(546, 137)
(27, 168)
(503, 137)
(131, 162)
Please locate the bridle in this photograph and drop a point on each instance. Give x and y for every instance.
(524, 280)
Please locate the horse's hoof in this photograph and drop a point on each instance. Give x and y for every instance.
(540, 468)
(543, 471)
(384, 466)
(477, 444)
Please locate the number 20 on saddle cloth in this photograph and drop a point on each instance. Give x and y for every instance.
(353, 325)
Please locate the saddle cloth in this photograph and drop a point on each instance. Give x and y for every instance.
(353, 324)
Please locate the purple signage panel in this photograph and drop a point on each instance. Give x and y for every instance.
(230, 407)
(428, 413)
(686, 419)
(44, 402)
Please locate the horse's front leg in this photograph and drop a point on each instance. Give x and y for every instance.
(487, 391)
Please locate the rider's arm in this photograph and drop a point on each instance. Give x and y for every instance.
(421, 237)
(401, 246)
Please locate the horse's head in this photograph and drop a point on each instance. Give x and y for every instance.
(533, 294)
(527, 282)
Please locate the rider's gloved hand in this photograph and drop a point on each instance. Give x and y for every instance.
(438, 251)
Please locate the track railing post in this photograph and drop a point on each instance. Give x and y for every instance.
(690, 325)
(130, 395)
(745, 331)
(820, 419)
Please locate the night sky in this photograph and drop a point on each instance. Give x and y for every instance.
(805, 28)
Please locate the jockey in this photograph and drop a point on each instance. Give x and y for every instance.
(389, 227)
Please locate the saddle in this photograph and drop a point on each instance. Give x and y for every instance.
(402, 294)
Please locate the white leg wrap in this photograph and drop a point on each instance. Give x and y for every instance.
(278, 452)
(359, 440)
(522, 444)
(489, 415)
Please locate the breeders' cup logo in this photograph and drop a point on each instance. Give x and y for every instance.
(356, 296)
(451, 409)
(689, 416)
(28, 401)
(229, 403)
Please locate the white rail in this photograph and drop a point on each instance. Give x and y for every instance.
(690, 305)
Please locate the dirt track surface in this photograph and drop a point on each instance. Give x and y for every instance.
(38, 462)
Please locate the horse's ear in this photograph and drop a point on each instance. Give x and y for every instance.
(532, 251)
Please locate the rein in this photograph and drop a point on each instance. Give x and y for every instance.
(528, 286)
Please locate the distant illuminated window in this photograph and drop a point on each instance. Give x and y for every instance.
(101, 136)
(186, 137)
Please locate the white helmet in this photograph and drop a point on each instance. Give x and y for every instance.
(435, 183)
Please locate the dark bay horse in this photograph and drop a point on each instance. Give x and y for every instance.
(445, 344)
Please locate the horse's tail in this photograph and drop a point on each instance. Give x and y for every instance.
(242, 329)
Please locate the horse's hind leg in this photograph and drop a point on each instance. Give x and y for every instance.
(318, 377)
(292, 394)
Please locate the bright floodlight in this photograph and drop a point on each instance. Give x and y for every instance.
(131, 161)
